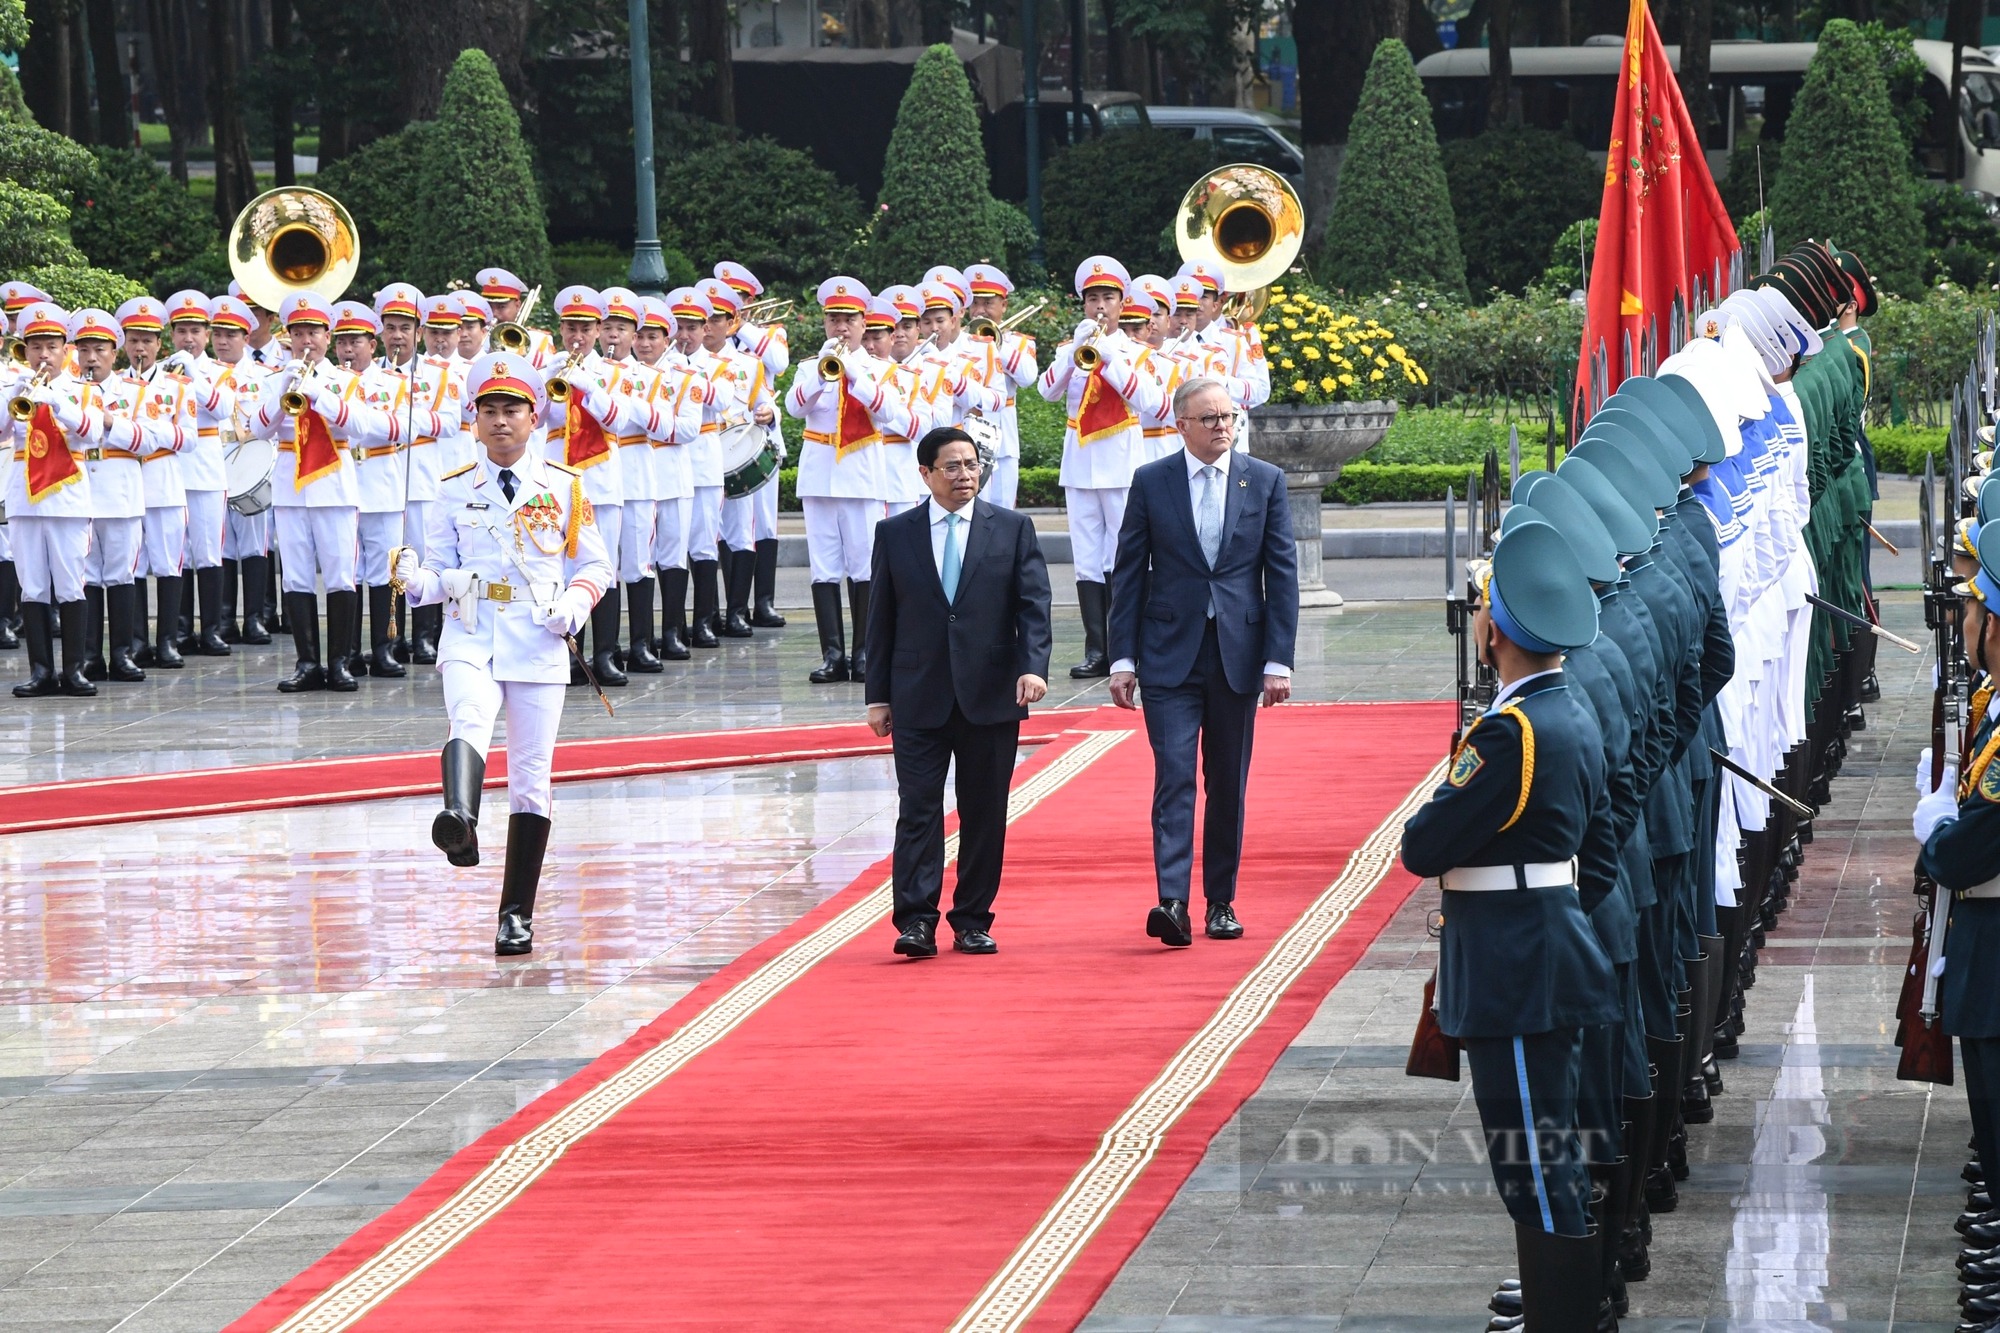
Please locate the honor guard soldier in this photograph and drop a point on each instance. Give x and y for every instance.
(1148, 307)
(623, 314)
(1015, 353)
(246, 537)
(505, 294)
(167, 408)
(431, 411)
(15, 297)
(48, 498)
(769, 343)
(749, 522)
(515, 556)
(203, 479)
(847, 403)
(963, 391)
(700, 459)
(475, 321)
(1103, 441)
(118, 502)
(316, 412)
(1239, 351)
(681, 395)
(1520, 971)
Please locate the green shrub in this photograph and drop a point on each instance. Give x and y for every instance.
(1902, 448)
(770, 208)
(1428, 435)
(1363, 483)
(133, 218)
(1513, 348)
(1961, 243)
(1040, 488)
(206, 272)
(39, 160)
(478, 203)
(380, 183)
(1739, 187)
(1847, 174)
(1017, 244)
(1115, 196)
(1750, 233)
(1042, 424)
(1392, 216)
(1513, 191)
(936, 196)
(74, 286)
(1564, 271)
(13, 106)
(32, 227)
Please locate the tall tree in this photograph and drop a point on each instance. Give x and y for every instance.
(235, 177)
(1962, 21)
(1697, 31)
(114, 103)
(708, 39)
(45, 64)
(279, 95)
(1500, 108)
(430, 35)
(178, 78)
(1336, 42)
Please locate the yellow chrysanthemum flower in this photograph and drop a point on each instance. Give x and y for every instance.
(1374, 374)
(1309, 352)
(1396, 351)
(1286, 364)
(1290, 323)
(1382, 361)
(1347, 380)
(1300, 386)
(1329, 384)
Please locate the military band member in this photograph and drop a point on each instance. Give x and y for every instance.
(432, 410)
(48, 499)
(246, 538)
(1520, 971)
(513, 552)
(847, 403)
(475, 322)
(623, 314)
(202, 473)
(718, 371)
(443, 316)
(262, 347)
(505, 294)
(1015, 354)
(767, 342)
(682, 394)
(964, 389)
(168, 410)
(118, 504)
(1103, 441)
(1240, 351)
(750, 522)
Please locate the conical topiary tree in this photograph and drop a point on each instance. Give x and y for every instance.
(1846, 175)
(477, 201)
(1392, 219)
(935, 188)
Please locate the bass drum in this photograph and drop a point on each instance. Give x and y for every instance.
(246, 470)
(749, 458)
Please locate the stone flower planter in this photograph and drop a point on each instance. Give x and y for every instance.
(1312, 444)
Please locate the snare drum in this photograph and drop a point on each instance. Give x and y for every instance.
(247, 469)
(749, 459)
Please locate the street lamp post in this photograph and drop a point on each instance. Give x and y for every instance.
(649, 267)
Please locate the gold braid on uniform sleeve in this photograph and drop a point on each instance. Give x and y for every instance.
(1527, 763)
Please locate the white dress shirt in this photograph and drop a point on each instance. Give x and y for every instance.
(1510, 690)
(938, 529)
(1195, 483)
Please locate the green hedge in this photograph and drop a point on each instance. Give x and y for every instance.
(1038, 489)
(1374, 483)
(1902, 448)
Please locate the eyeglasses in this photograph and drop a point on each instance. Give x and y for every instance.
(967, 469)
(1213, 421)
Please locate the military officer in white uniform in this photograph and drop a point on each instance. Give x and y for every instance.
(246, 538)
(755, 405)
(167, 408)
(1015, 354)
(768, 343)
(428, 385)
(505, 295)
(202, 476)
(514, 553)
(117, 500)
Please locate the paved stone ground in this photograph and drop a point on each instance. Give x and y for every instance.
(228, 1043)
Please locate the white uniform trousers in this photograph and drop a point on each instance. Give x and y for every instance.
(1095, 515)
(319, 541)
(766, 527)
(114, 551)
(165, 541)
(840, 537)
(6, 543)
(416, 514)
(611, 525)
(1004, 484)
(670, 532)
(705, 523)
(49, 556)
(205, 522)
(749, 519)
(635, 539)
(246, 535)
(381, 534)
(534, 709)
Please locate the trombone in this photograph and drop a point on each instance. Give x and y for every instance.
(770, 310)
(981, 327)
(513, 335)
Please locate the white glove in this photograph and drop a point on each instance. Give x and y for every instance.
(326, 402)
(1084, 329)
(408, 566)
(568, 613)
(1950, 778)
(1937, 807)
(68, 413)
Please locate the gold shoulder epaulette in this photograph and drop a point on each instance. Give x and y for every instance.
(459, 472)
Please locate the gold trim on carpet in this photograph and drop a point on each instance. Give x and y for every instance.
(1127, 1148)
(522, 1162)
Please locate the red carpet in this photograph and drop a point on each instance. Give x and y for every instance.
(216, 791)
(824, 1136)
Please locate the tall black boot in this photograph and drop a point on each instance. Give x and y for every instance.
(10, 605)
(426, 628)
(232, 571)
(832, 637)
(121, 601)
(527, 843)
(302, 611)
(1094, 602)
(184, 635)
(1562, 1280)
(74, 682)
(673, 614)
(641, 657)
(256, 569)
(764, 565)
(166, 645)
(93, 632)
(742, 570)
(1662, 1195)
(381, 650)
(37, 630)
(355, 658)
(604, 618)
(455, 831)
(857, 661)
(343, 626)
(142, 644)
(703, 575)
(208, 584)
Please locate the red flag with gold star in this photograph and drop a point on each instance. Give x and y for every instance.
(318, 456)
(584, 439)
(1101, 411)
(1665, 244)
(51, 466)
(854, 426)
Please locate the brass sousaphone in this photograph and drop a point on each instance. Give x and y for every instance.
(1245, 222)
(292, 240)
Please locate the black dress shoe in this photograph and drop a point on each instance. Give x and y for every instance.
(1978, 1200)
(1972, 1173)
(918, 941)
(1978, 1265)
(1974, 1217)
(1168, 923)
(1222, 922)
(973, 941)
(1984, 1232)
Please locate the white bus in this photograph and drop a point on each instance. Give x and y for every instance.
(1573, 89)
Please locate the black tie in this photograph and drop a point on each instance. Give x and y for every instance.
(507, 484)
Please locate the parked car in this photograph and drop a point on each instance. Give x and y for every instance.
(1238, 136)
(1104, 112)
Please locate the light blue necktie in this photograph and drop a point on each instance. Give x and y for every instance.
(950, 575)
(1208, 521)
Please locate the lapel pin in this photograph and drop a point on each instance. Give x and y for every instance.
(1243, 482)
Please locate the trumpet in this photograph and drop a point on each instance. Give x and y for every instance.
(558, 386)
(831, 368)
(294, 401)
(981, 327)
(20, 406)
(1087, 355)
(770, 310)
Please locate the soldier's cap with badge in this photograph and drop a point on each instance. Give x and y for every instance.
(1858, 278)
(1536, 591)
(740, 278)
(1984, 586)
(1792, 306)
(1816, 265)
(42, 319)
(953, 281)
(1717, 375)
(937, 296)
(1156, 287)
(497, 284)
(443, 311)
(842, 295)
(1101, 271)
(18, 296)
(236, 290)
(579, 303)
(1551, 497)
(187, 306)
(92, 323)
(473, 308)
(986, 280)
(1684, 408)
(623, 303)
(401, 301)
(909, 305)
(352, 317)
(502, 375)
(1621, 455)
(1747, 316)
(1187, 293)
(227, 312)
(1800, 286)
(304, 308)
(656, 314)
(1211, 282)
(1631, 526)
(142, 314)
(724, 298)
(1139, 306)
(1652, 412)
(882, 315)
(1633, 428)
(687, 303)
